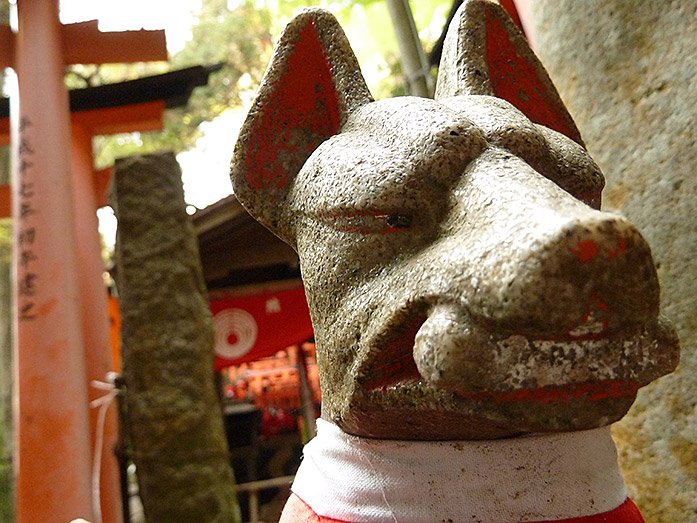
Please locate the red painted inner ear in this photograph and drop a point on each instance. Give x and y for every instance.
(509, 6)
(301, 111)
(515, 80)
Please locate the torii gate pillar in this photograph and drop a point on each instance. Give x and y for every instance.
(61, 340)
(52, 420)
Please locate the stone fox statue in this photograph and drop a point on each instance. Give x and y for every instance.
(479, 322)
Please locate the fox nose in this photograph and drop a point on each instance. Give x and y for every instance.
(595, 270)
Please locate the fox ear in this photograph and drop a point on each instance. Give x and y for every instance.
(310, 87)
(486, 54)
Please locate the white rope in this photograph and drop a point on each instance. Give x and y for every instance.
(103, 402)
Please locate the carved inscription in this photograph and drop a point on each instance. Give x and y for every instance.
(27, 279)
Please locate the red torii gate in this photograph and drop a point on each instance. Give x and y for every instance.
(61, 325)
(132, 105)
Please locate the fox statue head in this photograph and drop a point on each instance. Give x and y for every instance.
(462, 281)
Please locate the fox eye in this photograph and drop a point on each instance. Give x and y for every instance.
(367, 222)
(398, 221)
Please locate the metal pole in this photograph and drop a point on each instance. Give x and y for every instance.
(308, 407)
(52, 420)
(122, 452)
(414, 63)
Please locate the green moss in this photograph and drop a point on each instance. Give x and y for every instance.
(7, 512)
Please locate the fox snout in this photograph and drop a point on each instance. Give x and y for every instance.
(581, 290)
(544, 260)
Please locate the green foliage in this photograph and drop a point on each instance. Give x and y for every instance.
(239, 39)
(6, 481)
(4, 12)
(6, 493)
(369, 29)
(6, 473)
(285, 9)
(5, 240)
(4, 165)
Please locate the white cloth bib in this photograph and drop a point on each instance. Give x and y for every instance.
(532, 478)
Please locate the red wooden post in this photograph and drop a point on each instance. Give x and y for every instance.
(53, 447)
(95, 321)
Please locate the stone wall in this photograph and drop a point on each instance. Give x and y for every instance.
(628, 73)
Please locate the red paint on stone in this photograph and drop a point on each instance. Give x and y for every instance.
(396, 361)
(304, 101)
(600, 304)
(509, 6)
(593, 391)
(585, 250)
(621, 247)
(517, 81)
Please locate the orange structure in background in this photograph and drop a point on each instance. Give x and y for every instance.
(62, 339)
(284, 387)
(274, 381)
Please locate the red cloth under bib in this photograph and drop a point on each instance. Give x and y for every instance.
(296, 511)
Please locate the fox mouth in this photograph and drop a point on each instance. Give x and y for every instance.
(586, 362)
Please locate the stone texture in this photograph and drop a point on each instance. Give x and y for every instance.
(627, 71)
(461, 283)
(174, 418)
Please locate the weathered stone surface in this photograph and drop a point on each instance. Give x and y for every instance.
(628, 71)
(461, 283)
(175, 423)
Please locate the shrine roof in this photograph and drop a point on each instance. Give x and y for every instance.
(174, 88)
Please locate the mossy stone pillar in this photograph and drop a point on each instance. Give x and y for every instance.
(174, 418)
